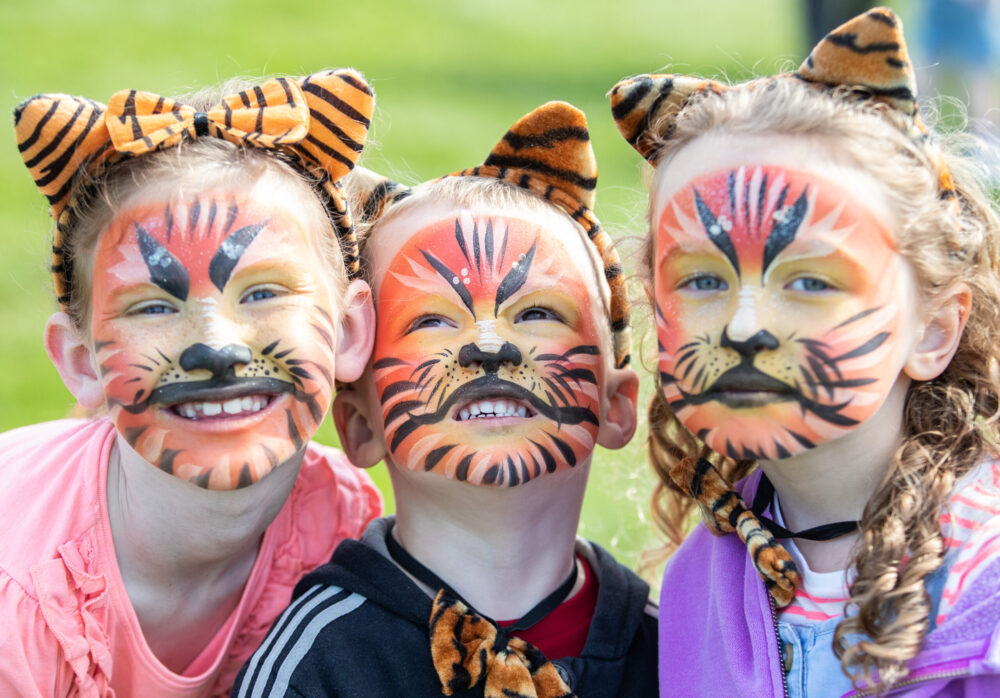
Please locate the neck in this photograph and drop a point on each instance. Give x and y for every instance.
(185, 553)
(834, 481)
(503, 549)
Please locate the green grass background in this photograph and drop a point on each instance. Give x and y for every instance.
(450, 77)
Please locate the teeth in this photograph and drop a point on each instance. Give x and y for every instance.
(492, 409)
(236, 406)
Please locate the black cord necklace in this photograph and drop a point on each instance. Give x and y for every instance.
(428, 578)
(765, 495)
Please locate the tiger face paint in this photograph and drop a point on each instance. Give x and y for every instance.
(487, 362)
(214, 332)
(781, 308)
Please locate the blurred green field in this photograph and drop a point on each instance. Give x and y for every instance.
(450, 77)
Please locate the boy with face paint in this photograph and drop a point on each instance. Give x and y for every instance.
(825, 294)
(500, 363)
(202, 259)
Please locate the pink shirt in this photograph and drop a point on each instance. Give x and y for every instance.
(68, 627)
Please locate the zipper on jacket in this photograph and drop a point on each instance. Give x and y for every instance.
(781, 650)
(953, 674)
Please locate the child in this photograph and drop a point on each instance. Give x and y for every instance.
(500, 363)
(826, 294)
(205, 303)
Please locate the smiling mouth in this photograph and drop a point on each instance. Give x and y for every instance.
(215, 398)
(493, 408)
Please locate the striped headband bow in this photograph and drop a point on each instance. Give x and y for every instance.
(318, 123)
(547, 152)
(866, 56)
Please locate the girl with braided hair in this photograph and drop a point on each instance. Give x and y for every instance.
(825, 281)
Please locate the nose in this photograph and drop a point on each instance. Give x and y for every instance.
(759, 342)
(220, 362)
(489, 360)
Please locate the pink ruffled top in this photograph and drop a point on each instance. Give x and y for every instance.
(68, 625)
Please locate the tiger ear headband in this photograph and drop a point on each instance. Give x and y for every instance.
(865, 56)
(547, 152)
(863, 59)
(318, 123)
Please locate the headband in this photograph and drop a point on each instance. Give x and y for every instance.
(548, 153)
(319, 124)
(863, 60)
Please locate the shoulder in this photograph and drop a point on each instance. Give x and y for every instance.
(50, 489)
(329, 642)
(331, 500)
(971, 525)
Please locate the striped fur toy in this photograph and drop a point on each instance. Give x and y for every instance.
(318, 123)
(547, 152)
(863, 59)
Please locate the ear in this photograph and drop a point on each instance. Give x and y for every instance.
(356, 333)
(74, 360)
(362, 444)
(939, 338)
(618, 425)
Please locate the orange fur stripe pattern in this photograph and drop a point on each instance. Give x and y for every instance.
(866, 56)
(468, 649)
(320, 122)
(548, 152)
(725, 512)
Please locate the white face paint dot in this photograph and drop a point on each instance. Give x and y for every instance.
(454, 280)
(514, 265)
(465, 281)
(714, 229)
(465, 272)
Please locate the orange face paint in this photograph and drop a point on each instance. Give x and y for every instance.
(779, 308)
(487, 361)
(214, 333)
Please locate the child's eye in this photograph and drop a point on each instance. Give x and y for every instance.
(538, 313)
(157, 307)
(809, 284)
(705, 282)
(425, 322)
(257, 294)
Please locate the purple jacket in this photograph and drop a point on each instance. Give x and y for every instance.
(718, 634)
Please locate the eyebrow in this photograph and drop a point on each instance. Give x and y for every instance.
(165, 270)
(230, 251)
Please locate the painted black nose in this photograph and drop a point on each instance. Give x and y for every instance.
(220, 362)
(747, 348)
(490, 361)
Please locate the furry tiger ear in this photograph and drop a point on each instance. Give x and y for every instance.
(369, 193)
(340, 111)
(552, 143)
(57, 135)
(645, 107)
(867, 54)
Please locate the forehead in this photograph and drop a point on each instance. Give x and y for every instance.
(436, 227)
(809, 160)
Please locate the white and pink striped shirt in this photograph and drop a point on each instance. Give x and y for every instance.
(970, 523)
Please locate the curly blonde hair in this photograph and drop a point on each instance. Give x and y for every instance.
(948, 422)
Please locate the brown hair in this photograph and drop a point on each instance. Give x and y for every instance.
(947, 422)
(195, 166)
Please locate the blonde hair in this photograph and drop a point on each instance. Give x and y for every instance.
(947, 422)
(191, 166)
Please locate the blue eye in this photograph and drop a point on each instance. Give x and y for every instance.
(705, 282)
(809, 284)
(538, 313)
(261, 294)
(153, 308)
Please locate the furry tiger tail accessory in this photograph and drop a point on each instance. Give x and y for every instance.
(864, 60)
(548, 152)
(468, 649)
(318, 123)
